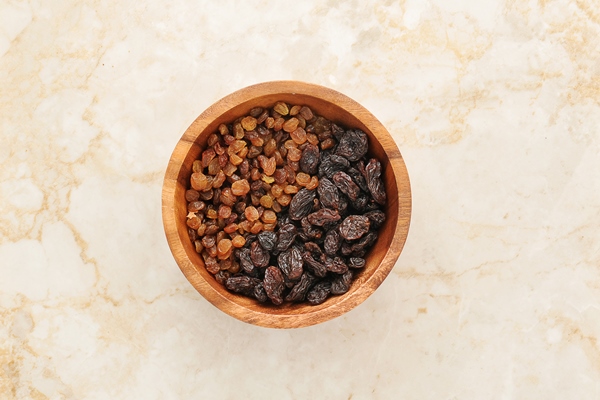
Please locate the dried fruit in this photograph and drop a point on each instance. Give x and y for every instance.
(274, 284)
(354, 226)
(301, 204)
(353, 145)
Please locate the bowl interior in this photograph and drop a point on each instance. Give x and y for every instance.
(380, 258)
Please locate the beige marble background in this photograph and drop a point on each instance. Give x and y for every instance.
(495, 106)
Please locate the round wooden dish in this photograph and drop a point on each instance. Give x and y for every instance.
(336, 107)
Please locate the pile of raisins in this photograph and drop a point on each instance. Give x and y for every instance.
(284, 204)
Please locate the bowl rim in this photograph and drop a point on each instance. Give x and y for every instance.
(313, 314)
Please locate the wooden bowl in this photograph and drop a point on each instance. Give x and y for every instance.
(336, 107)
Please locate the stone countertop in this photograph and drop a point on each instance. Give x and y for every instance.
(494, 105)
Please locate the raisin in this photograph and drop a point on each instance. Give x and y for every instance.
(331, 163)
(353, 145)
(335, 265)
(243, 256)
(259, 293)
(299, 290)
(364, 243)
(318, 268)
(341, 284)
(287, 235)
(310, 232)
(274, 284)
(268, 240)
(373, 177)
(318, 294)
(332, 243)
(290, 263)
(309, 162)
(337, 131)
(354, 226)
(376, 218)
(358, 178)
(258, 255)
(301, 204)
(242, 284)
(346, 185)
(329, 196)
(356, 262)
(323, 216)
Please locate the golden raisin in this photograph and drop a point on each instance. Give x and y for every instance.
(240, 188)
(276, 191)
(284, 199)
(231, 228)
(199, 181)
(314, 182)
(306, 113)
(278, 125)
(270, 147)
(224, 248)
(290, 125)
(312, 139)
(238, 241)
(281, 108)
(269, 122)
(269, 217)
(266, 201)
(291, 189)
(302, 179)
(257, 227)
(327, 144)
(248, 123)
(294, 154)
(229, 169)
(295, 110)
(224, 211)
(219, 180)
(298, 135)
(251, 213)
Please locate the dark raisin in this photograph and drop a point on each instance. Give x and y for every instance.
(341, 284)
(364, 243)
(330, 164)
(317, 268)
(274, 284)
(298, 292)
(329, 196)
(243, 256)
(290, 263)
(259, 293)
(354, 227)
(309, 162)
(318, 294)
(337, 131)
(310, 232)
(323, 216)
(258, 255)
(335, 265)
(332, 243)
(242, 284)
(360, 203)
(358, 178)
(346, 185)
(356, 262)
(287, 235)
(373, 176)
(353, 145)
(267, 239)
(302, 203)
(313, 248)
(376, 218)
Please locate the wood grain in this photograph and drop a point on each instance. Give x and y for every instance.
(336, 107)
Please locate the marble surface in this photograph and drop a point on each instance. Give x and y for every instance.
(495, 106)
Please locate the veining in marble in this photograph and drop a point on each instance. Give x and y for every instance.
(494, 105)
